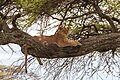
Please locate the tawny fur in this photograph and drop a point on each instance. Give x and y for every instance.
(60, 38)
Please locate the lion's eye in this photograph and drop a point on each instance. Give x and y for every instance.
(60, 28)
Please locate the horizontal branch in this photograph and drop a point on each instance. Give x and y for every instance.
(100, 43)
(72, 17)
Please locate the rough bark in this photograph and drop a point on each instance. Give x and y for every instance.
(100, 43)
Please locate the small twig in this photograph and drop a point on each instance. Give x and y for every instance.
(11, 48)
(6, 2)
(2, 16)
(115, 19)
(3, 49)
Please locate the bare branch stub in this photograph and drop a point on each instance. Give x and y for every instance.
(14, 20)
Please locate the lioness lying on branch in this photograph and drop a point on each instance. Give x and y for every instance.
(60, 38)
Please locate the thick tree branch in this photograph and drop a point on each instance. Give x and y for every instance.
(100, 43)
(97, 43)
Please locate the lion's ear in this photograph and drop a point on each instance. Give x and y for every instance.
(60, 27)
(68, 28)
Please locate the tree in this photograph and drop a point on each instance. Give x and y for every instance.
(95, 23)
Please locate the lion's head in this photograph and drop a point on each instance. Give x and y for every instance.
(62, 31)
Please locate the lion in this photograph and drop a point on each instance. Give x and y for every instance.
(60, 38)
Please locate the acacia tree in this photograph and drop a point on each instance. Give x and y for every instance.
(95, 23)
